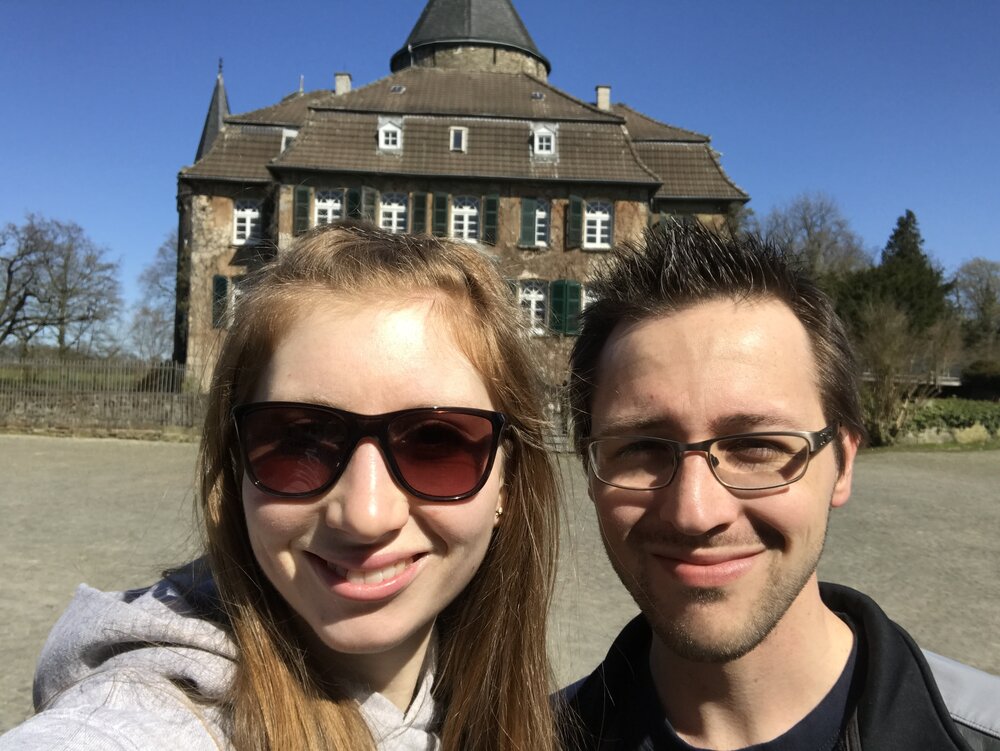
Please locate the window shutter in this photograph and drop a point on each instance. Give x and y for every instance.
(418, 224)
(565, 296)
(491, 214)
(368, 200)
(301, 209)
(354, 203)
(220, 296)
(611, 222)
(528, 208)
(440, 219)
(574, 222)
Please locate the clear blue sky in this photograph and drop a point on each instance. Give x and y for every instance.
(884, 105)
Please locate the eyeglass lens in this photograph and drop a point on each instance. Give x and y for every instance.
(749, 462)
(299, 450)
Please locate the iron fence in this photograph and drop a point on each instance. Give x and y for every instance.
(97, 394)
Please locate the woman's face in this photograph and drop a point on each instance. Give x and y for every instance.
(366, 565)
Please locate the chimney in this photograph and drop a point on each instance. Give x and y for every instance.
(341, 83)
(604, 97)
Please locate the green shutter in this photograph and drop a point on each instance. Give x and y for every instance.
(300, 209)
(418, 224)
(440, 220)
(491, 215)
(528, 208)
(369, 198)
(220, 299)
(611, 223)
(564, 297)
(354, 203)
(574, 222)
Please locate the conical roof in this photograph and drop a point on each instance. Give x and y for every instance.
(218, 111)
(468, 22)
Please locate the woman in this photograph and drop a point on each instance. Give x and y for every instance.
(380, 522)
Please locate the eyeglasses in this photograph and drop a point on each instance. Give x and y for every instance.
(746, 461)
(295, 450)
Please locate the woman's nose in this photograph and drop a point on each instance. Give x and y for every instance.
(366, 503)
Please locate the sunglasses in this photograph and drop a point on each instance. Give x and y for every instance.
(296, 450)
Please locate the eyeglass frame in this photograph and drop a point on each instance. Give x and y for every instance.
(817, 440)
(360, 427)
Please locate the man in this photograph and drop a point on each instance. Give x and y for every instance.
(715, 399)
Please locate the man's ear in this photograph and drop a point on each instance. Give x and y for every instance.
(842, 488)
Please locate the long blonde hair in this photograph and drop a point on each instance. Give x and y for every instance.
(493, 677)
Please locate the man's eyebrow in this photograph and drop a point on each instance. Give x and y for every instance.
(744, 422)
(637, 425)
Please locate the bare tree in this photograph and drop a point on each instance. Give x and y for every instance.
(814, 228)
(977, 294)
(152, 328)
(60, 287)
(891, 390)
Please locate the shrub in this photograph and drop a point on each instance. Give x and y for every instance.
(957, 414)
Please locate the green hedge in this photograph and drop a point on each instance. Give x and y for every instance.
(949, 414)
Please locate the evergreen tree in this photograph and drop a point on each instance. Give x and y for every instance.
(909, 279)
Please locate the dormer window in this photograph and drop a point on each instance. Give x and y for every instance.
(543, 141)
(458, 138)
(390, 134)
(287, 136)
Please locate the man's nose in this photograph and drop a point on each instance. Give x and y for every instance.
(694, 502)
(366, 503)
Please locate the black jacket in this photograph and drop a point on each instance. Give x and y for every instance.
(896, 704)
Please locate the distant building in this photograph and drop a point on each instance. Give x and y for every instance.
(466, 139)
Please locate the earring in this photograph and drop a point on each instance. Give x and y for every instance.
(499, 511)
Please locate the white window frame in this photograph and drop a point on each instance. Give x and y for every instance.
(465, 218)
(287, 136)
(246, 220)
(598, 218)
(463, 140)
(533, 297)
(390, 137)
(543, 223)
(328, 206)
(544, 142)
(393, 210)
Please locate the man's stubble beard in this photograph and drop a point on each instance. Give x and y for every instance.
(679, 634)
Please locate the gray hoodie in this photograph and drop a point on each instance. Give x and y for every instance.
(111, 675)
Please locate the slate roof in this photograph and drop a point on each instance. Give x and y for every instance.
(218, 111)
(240, 153)
(500, 149)
(291, 111)
(644, 128)
(481, 22)
(457, 92)
(337, 133)
(689, 170)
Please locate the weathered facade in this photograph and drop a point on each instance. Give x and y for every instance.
(466, 139)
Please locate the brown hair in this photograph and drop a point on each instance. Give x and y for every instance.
(492, 678)
(679, 265)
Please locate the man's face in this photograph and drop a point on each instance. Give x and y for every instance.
(715, 569)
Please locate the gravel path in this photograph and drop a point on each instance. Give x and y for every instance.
(919, 535)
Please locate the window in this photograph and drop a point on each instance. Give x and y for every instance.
(535, 218)
(588, 298)
(565, 298)
(458, 138)
(287, 136)
(533, 296)
(390, 137)
(392, 213)
(225, 294)
(597, 217)
(329, 206)
(465, 218)
(246, 221)
(544, 142)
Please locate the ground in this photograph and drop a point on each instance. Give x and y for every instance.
(919, 535)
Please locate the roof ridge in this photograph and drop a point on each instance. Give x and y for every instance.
(653, 120)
